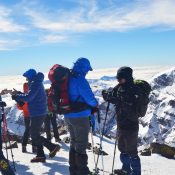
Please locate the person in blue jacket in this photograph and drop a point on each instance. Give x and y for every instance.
(78, 122)
(37, 105)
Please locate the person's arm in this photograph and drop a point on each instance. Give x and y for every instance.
(86, 93)
(110, 95)
(27, 97)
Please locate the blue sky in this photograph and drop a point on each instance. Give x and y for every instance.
(111, 33)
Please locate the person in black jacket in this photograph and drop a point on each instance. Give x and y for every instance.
(124, 98)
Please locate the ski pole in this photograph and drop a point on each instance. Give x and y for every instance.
(114, 153)
(101, 139)
(99, 122)
(6, 134)
(92, 141)
(8, 137)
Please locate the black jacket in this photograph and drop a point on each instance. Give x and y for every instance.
(124, 98)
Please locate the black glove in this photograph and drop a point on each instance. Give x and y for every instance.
(14, 97)
(105, 95)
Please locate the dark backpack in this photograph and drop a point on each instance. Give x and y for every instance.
(59, 91)
(143, 90)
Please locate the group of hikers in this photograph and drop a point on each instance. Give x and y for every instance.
(70, 94)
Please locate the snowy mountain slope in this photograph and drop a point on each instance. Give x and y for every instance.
(154, 165)
(159, 123)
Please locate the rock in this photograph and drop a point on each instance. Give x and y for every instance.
(164, 150)
(172, 103)
(146, 152)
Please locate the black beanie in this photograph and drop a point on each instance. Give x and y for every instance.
(124, 73)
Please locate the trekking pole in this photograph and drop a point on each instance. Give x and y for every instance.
(6, 136)
(99, 122)
(92, 142)
(4, 128)
(114, 154)
(101, 139)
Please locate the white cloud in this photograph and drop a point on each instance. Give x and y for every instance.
(54, 39)
(9, 44)
(6, 22)
(87, 18)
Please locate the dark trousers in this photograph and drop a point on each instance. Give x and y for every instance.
(38, 140)
(48, 121)
(127, 145)
(79, 130)
(27, 122)
(127, 141)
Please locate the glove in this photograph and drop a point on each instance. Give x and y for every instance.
(105, 95)
(14, 97)
(95, 110)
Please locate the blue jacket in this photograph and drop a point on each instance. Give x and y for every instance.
(80, 91)
(36, 97)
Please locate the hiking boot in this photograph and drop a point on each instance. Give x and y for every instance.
(120, 172)
(38, 159)
(72, 162)
(34, 149)
(57, 140)
(54, 151)
(81, 162)
(24, 150)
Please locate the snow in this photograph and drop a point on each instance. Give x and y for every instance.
(154, 165)
(151, 126)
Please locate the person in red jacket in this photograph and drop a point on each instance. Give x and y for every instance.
(24, 107)
(51, 119)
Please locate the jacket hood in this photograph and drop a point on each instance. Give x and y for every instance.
(30, 74)
(82, 66)
(39, 77)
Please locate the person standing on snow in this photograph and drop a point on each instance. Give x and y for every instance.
(127, 121)
(37, 104)
(27, 121)
(78, 122)
(51, 119)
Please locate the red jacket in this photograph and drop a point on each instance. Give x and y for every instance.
(25, 106)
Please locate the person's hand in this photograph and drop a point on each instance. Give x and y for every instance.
(13, 97)
(15, 92)
(95, 110)
(105, 94)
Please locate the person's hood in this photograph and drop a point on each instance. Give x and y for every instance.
(82, 66)
(39, 77)
(30, 74)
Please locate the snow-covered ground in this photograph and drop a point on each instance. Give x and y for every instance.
(154, 165)
(101, 79)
